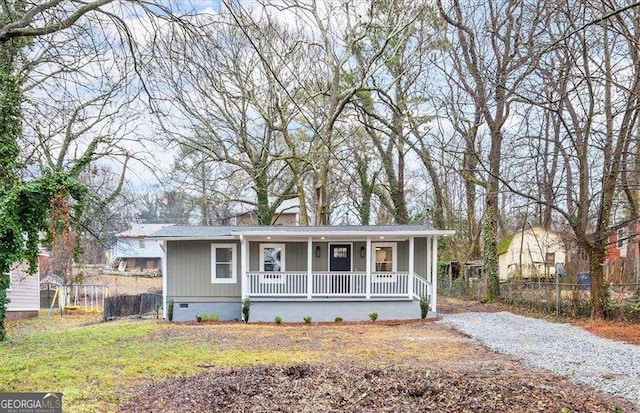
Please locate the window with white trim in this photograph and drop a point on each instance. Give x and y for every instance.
(272, 260)
(223, 264)
(385, 260)
(272, 257)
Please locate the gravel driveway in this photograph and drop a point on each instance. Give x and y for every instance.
(570, 351)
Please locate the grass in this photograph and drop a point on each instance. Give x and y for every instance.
(97, 365)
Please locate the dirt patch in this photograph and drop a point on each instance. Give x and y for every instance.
(316, 388)
(419, 366)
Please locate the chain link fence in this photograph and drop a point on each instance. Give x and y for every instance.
(133, 305)
(558, 298)
(572, 299)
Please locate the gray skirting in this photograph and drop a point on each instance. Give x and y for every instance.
(294, 311)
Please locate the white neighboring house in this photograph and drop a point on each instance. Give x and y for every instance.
(287, 214)
(138, 252)
(530, 253)
(23, 293)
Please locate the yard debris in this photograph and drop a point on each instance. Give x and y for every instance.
(320, 388)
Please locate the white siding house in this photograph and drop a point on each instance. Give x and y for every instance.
(23, 293)
(297, 271)
(530, 253)
(135, 249)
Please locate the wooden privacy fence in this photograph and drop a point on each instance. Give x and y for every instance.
(133, 305)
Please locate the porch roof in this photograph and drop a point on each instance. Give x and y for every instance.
(234, 232)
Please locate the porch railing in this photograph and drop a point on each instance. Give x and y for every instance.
(336, 284)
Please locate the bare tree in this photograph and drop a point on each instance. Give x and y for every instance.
(493, 52)
(591, 90)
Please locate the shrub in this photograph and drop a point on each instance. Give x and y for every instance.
(207, 317)
(307, 319)
(170, 310)
(278, 319)
(373, 316)
(338, 319)
(246, 304)
(424, 306)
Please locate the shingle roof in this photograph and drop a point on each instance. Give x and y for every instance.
(189, 232)
(141, 230)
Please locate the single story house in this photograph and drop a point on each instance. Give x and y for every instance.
(136, 251)
(532, 252)
(23, 293)
(298, 271)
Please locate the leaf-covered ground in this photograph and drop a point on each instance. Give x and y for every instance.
(412, 366)
(149, 365)
(322, 388)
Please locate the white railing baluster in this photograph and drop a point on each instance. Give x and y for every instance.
(336, 284)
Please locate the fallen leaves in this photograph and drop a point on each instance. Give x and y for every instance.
(322, 388)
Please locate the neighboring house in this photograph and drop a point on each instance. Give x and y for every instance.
(287, 214)
(139, 253)
(23, 293)
(623, 255)
(530, 253)
(298, 271)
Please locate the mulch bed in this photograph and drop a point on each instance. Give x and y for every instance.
(322, 388)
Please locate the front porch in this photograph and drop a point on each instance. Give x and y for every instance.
(337, 285)
(390, 267)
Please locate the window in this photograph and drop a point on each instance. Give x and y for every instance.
(223, 264)
(620, 234)
(272, 257)
(385, 261)
(141, 244)
(550, 259)
(272, 261)
(385, 257)
(340, 252)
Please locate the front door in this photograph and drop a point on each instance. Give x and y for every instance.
(340, 261)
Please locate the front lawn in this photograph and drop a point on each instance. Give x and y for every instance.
(97, 365)
(149, 365)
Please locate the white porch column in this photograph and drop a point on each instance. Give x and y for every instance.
(244, 282)
(411, 259)
(163, 247)
(434, 274)
(428, 274)
(368, 267)
(309, 267)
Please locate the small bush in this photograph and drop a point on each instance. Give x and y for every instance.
(307, 319)
(246, 304)
(170, 310)
(373, 316)
(278, 320)
(424, 306)
(201, 318)
(338, 319)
